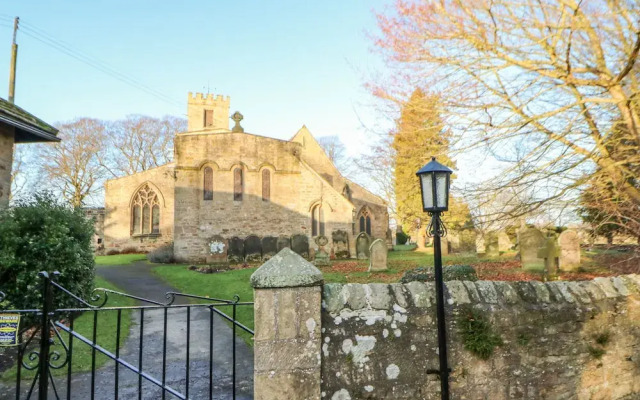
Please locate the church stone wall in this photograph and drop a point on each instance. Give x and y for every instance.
(314, 155)
(6, 161)
(294, 190)
(118, 196)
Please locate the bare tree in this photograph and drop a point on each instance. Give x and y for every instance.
(377, 167)
(72, 166)
(539, 84)
(19, 178)
(337, 153)
(139, 142)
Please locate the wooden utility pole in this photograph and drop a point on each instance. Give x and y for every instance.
(14, 59)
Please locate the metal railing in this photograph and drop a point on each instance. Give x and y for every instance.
(51, 330)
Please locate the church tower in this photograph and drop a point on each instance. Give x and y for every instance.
(208, 112)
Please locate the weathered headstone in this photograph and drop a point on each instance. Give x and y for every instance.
(467, 241)
(321, 257)
(340, 241)
(300, 244)
(378, 256)
(445, 246)
(454, 241)
(421, 240)
(492, 245)
(217, 251)
(252, 249)
(504, 243)
(269, 247)
(363, 242)
(283, 241)
(480, 244)
(389, 240)
(550, 253)
(529, 241)
(235, 253)
(569, 242)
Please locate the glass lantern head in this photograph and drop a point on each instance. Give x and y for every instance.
(434, 185)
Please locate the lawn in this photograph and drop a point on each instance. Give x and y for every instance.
(221, 285)
(119, 259)
(83, 325)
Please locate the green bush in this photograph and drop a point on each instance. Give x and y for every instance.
(401, 238)
(161, 255)
(40, 234)
(449, 273)
(477, 334)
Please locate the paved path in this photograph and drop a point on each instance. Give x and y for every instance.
(137, 279)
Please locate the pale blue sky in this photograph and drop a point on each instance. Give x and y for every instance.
(283, 63)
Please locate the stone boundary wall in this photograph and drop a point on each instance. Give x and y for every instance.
(379, 340)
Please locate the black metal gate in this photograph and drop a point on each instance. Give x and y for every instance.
(196, 352)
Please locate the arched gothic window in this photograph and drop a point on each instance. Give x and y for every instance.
(208, 184)
(145, 213)
(317, 220)
(365, 221)
(266, 185)
(238, 184)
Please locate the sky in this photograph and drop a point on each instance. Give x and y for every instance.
(284, 63)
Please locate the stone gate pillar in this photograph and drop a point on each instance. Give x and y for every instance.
(287, 358)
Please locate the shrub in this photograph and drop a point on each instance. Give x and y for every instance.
(163, 254)
(40, 234)
(477, 334)
(603, 338)
(449, 273)
(401, 238)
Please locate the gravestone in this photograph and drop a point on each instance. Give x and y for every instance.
(454, 241)
(479, 244)
(340, 241)
(321, 257)
(421, 240)
(569, 242)
(504, 243)
(283, 241)
(550, 253)
(378, 256)
(445, 246)
(269, 247)
(529, 241)
(235, 252)
(252, 249)
(467, 241)
(492, 245)
(363, 242)
(300, 244)
(217, 251)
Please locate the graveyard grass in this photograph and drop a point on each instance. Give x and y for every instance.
(221, 285)
(120, 259)
(504, 267)
(83, 325)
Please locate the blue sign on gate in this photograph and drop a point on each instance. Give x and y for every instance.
(9, 328)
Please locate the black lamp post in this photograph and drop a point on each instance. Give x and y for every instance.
(434, 185)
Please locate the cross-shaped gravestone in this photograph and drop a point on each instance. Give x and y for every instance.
(550, 251)
(237, 117)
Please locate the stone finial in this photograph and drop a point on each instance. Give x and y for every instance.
(237, 117)
(286, 269)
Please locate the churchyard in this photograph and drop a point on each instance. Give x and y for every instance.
(598, 261)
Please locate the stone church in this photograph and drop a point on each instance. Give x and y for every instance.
(228, 183)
